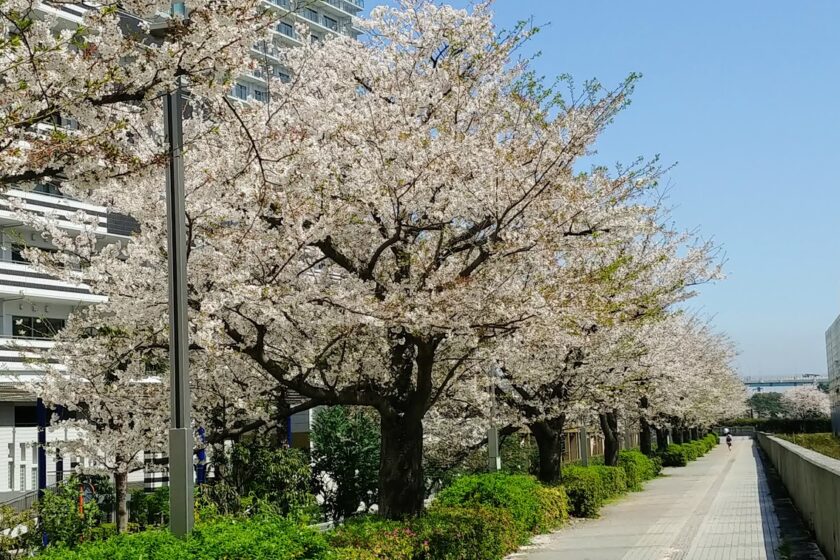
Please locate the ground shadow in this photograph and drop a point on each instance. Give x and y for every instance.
(796, 542)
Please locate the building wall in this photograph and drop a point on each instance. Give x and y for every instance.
(832, 351)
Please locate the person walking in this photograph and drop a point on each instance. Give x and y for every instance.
(729, 441)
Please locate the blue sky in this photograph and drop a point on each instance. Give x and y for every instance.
(744, 97)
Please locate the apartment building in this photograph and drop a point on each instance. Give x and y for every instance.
(832, 352)
(33, 306)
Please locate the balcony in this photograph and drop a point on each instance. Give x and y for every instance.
(53, 203)
(22, 280)
(345, 7)
(22, 358)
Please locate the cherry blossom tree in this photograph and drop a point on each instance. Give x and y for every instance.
(398, 209)
(806, 402)
(406, 212)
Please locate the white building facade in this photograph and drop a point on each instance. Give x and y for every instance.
(832, 353)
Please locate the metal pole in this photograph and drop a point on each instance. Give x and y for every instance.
(584, 446)
(41, 412)
(494, 461)
(180, 432)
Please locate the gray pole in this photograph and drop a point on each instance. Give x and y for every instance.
(494, 460)
(180, 432)
(584, 446)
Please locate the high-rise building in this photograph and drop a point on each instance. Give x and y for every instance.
(832, 353)
(33, 306)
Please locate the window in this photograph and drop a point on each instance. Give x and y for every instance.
(284, 77)
(310, 14)
(240, 91)
(25, 417)
(260, 95)
(47, 188)
(315, 38)
(17, 254)
(36, 327)
(330, 23)
(286, 29)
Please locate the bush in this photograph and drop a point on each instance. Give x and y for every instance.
(262, 538)
(675, 456)
(554, 504)
(379, 538)
(149, 508)
(613, 481)
(679, 455)
(58, 512)
(582, 487)
(466, 533)
(345, 454)
(518, 494)
(442, 533)
(263, 478)
(638, 467)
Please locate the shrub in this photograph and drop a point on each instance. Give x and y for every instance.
(783, 425)
(380, 538)
(262, 538)
(345, 454)
(675, 456)
(58, 512)
(149, 508)
(518, 494)
(465, 533)
(582, 487)
(148, 545)
(657, 464)
(442, 533)
(554, 505)
(278, 477)
(613, 481)
(638, 467)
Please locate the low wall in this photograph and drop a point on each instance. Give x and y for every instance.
(813, 482)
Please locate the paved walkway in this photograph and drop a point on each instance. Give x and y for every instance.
(716, 508)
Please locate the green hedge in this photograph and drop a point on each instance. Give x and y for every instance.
(263, 538)
(783, 425)
(679, 455)
(638, 467)
(478, 517)
(532, 506)
(589, 487)
(442, 533)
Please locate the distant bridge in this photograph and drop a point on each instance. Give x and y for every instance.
(790, 381)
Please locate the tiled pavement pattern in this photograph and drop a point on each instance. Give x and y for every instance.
(716, 508)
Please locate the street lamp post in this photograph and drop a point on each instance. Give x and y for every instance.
(494, 460)
(180, 431)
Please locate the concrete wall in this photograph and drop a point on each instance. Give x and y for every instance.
(813, 482)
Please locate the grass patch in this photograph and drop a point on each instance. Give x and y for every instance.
(826, 444)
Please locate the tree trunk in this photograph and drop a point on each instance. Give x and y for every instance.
(686, 435)
(677, 435)
(401, 487)
(661, 439)
(609, 425)
(121, 491)
(645, 437)
(549, 436)
(695, 434)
